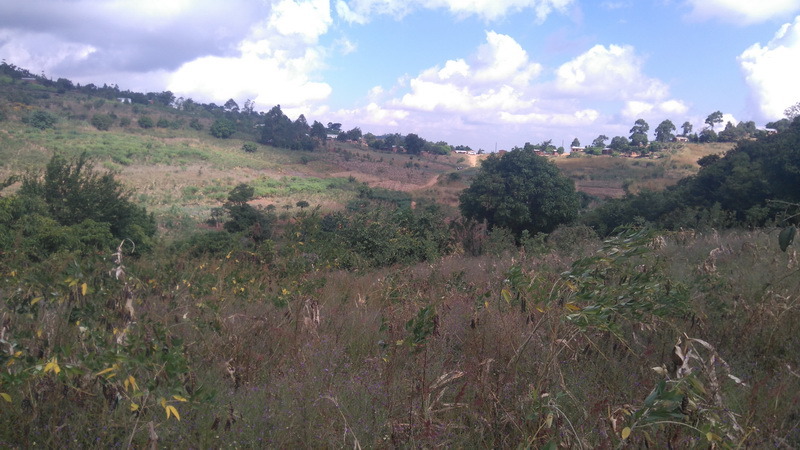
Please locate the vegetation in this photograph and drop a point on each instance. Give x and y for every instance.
(298, 298)
(521, 192)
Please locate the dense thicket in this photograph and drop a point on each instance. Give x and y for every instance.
(746, 187)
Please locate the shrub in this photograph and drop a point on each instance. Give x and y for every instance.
(222, 128)
(41, 119)
(162, 123)
(146, 122)
(102, 121)
(195, 124)
(73, 193)
(249, 147)
(125, 122)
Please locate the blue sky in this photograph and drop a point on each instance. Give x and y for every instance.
(483, 73)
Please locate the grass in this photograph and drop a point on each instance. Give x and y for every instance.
(328, 359)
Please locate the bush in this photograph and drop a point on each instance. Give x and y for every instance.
(41, 119)
(125, 122)
(73, 194)
(222, 128)
(162, 123)
(249, 147)
(195, 124)
(102, 121)
(146, 122)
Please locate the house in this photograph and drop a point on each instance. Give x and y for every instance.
(576, 149)
(771, 130)
(680, 139)
(608, 152)
(124, 100)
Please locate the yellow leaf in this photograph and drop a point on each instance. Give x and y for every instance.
(6, 397)
(549, 420)
(36, 300)
(104, 371)
(134, 407)
(506, 295)
(573, 307)
(171, 410)
(163, 402)
(39, 333)
(626, 432)
(712, 437)
(52, 365)
(133, 382)
(179, 398)
(84, 288)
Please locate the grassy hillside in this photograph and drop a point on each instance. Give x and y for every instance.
(361, 324)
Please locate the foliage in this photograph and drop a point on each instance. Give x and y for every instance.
(413, 143)
(102, 121)
(222, 128)
(639, 133)
(249, 147)
(195, 124)
(41, 119)
(146, 122)
(740, 188)
(520, 191)
(72, 193)
(244, 218)
(664, 131)
(713, 119)
(280, 131)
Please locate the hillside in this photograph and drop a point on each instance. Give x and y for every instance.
(245, 316)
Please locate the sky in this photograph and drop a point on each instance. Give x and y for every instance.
(491, 74)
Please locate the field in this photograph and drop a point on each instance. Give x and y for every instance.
(647, 339)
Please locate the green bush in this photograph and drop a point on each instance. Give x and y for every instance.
(102, 121)
(222, 128)
(146, 122)
(163, 123)
(72, 193)
(41, 119)
(195, 124)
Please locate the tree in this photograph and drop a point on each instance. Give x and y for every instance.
(414, 144)
(639, 133)
(334, 127)
(249, 147)
(222, 128)
(792, 112)
(713, 119)
(575, 143)
(318, 132)
(255, 223)
(664, 131)
(780, 125)
(231, 106)
(520, 191)
(687, 128)
(707, 135)
(600, 141)
(619, 144)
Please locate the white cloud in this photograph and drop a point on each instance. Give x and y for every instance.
(771, 71)
(496, 78)
(743, 12)
(361, 11)
(308, 19)
(611, 72)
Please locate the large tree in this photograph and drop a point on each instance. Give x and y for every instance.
(600, 141)
(639, 133)
(687, 128)
(664, 131)
(520, 191)
(714, 118)
(414, 144)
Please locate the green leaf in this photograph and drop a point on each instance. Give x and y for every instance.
(786, 237)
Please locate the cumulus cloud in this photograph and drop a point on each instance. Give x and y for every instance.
(494, 79)
(272, 66)
(609, 73)
(742, 12)
(361, 11)
(771, 71)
